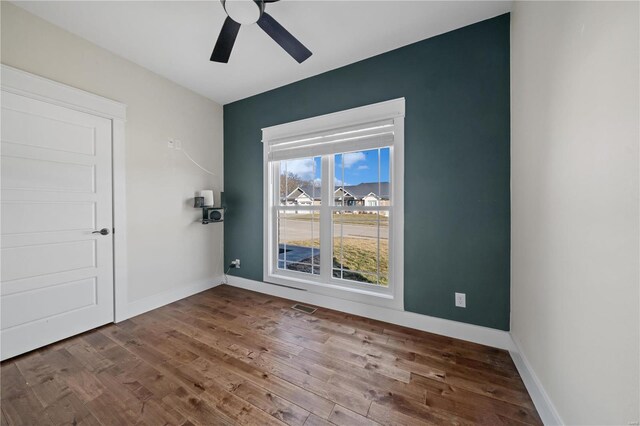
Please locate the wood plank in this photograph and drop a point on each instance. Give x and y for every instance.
(69, 409)
(367, 381)
(314, 420)
(209, 352)
(353, 400)
(342, 416)
(196, 409)
(88, 356)
(419, 411)
(386, 416)
(286, 390)
(276, 406)
(43, 379)
(455, 399)
(19, 404)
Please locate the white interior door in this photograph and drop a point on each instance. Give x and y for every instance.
(56, 274)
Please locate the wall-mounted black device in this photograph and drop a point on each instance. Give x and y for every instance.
(212, 214)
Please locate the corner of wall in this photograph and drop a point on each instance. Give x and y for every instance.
(138, 307)
(545, 407)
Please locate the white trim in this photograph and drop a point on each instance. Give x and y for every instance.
(392, 112)
(120, 274)
(156, 301)
(39, 88)
(351, 117)
(546, 410)
(458, 330)
(396, 221)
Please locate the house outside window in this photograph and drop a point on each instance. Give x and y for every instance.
(334, 204)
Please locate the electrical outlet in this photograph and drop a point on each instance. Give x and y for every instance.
(237, 261)
(171, 144)
(178, 144)
(461, 300)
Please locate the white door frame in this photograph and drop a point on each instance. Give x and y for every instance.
(32, 86)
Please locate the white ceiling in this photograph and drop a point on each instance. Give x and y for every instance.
(175, 38)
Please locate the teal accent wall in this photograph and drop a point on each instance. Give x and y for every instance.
(457, 189)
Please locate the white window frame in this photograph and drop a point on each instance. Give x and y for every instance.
(391, 296)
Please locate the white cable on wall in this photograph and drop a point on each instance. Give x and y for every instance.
(195, 162)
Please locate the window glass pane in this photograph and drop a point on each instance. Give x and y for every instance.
(360, 246)
(361, 178)
(385, 175)
(300, 181)
(384, 247)
(299, 241)
(338, 180)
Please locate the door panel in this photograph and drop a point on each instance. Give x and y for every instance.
(45, 175)
(19, 263)
(33, 305)
(57, 276)
(25, 128)
(25, 217)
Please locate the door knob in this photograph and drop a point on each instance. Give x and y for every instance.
(103, 231)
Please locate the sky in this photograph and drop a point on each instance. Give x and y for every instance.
(351, 168)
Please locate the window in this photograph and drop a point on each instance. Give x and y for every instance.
(334, 205)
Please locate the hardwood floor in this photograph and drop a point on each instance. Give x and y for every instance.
(231, 356)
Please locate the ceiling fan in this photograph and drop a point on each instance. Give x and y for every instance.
(244, 12)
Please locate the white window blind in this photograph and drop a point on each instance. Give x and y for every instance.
(353, 138)
(359, 129)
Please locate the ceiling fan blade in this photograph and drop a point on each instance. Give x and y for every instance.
(284, 38)
(226, 39)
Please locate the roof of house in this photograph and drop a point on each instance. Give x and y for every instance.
(299, 191)
(357, 191)
(363, 189)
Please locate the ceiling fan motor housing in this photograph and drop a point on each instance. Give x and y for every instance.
(244, 12)
(250, 12)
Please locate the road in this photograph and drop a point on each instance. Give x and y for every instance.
(296, 230)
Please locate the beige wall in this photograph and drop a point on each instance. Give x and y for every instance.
(575, 222)
(167, 248)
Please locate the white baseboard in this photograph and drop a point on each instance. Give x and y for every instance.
(539, 396)
(147, 304)
(473, 333)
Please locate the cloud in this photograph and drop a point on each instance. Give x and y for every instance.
(302, 167)
(317, 182)
(338, 182)
(363, 167)
(352, 158)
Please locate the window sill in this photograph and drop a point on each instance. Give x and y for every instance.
(369, 297)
